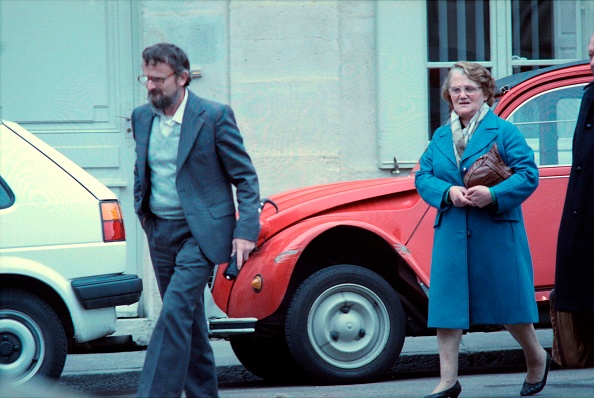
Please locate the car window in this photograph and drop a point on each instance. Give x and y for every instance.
(6, 195)
(547, 121)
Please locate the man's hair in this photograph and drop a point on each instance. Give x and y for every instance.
(169, 54)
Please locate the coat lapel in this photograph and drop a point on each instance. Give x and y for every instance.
(191, 126)
(483, 136)
(445, 145)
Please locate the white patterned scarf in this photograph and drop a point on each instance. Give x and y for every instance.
(461, 136)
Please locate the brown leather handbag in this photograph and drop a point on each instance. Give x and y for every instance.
(488, 170)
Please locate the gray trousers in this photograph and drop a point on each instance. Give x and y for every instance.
(179, 356)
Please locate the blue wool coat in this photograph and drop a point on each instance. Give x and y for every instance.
(481, 271)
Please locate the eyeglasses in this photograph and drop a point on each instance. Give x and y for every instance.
(467, 89)
(156, 80)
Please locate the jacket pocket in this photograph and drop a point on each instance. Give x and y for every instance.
(222, 209)
(510, 215)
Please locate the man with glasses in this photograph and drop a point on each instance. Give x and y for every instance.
(189, 154)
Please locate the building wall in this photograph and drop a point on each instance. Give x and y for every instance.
(300, 76)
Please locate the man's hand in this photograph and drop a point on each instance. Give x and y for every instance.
(243, 248)
(458, 196)
(480, 196)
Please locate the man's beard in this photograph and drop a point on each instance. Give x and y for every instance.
(162, 102)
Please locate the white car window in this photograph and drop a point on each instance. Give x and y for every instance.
(548, 121)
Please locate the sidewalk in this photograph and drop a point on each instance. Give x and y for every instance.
(419, 354)
(77, 364)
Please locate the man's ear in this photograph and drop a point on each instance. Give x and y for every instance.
(183, 77)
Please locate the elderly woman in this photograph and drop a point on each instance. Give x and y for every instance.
(481, 272)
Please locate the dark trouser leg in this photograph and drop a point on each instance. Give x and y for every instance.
(199, 382)
(179, 353)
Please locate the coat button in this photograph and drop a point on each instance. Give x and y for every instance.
(575, 213)
(588, 126)
(578, 169)
(467, 233)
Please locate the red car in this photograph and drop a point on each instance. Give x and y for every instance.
(341, 271)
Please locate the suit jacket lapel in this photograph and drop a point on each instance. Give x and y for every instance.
(142, 132)
(143, 126)
(191, 125)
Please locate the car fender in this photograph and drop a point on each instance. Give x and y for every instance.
(88, 324)
(276, 261)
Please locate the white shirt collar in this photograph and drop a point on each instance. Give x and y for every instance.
(178, 117)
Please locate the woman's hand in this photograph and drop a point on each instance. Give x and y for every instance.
(458, 196)
(479, 196)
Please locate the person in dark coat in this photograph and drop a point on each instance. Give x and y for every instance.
(572, 312)
(481, 270)
(574, 277)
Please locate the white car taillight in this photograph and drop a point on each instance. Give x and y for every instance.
(112, 220)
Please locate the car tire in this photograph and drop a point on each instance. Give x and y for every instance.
(345, 324)
(33, 343)
(266, 357)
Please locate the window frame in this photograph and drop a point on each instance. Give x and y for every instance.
(5, 189)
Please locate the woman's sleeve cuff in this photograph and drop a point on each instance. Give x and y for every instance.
(493, 198)
(446, 197)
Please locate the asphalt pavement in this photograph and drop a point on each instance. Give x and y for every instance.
(478, 351)
(102, 374)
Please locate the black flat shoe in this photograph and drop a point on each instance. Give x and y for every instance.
(452, 392)
(535, 388)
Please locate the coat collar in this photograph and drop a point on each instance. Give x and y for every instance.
(482, 137)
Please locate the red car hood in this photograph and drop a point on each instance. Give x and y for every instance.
(299, 204)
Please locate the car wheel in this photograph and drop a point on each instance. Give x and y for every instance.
(266, 357)
(32, 339)
(345, 324)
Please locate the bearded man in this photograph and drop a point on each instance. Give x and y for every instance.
(189, 154)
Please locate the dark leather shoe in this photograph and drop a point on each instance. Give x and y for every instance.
(452, 392)
(535, 388)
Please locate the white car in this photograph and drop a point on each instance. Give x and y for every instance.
(62, 257)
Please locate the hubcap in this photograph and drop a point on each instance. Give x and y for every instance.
(348, 326)
(9, 348)
(21, 346)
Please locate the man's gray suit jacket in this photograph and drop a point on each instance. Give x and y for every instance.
(211, 158)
